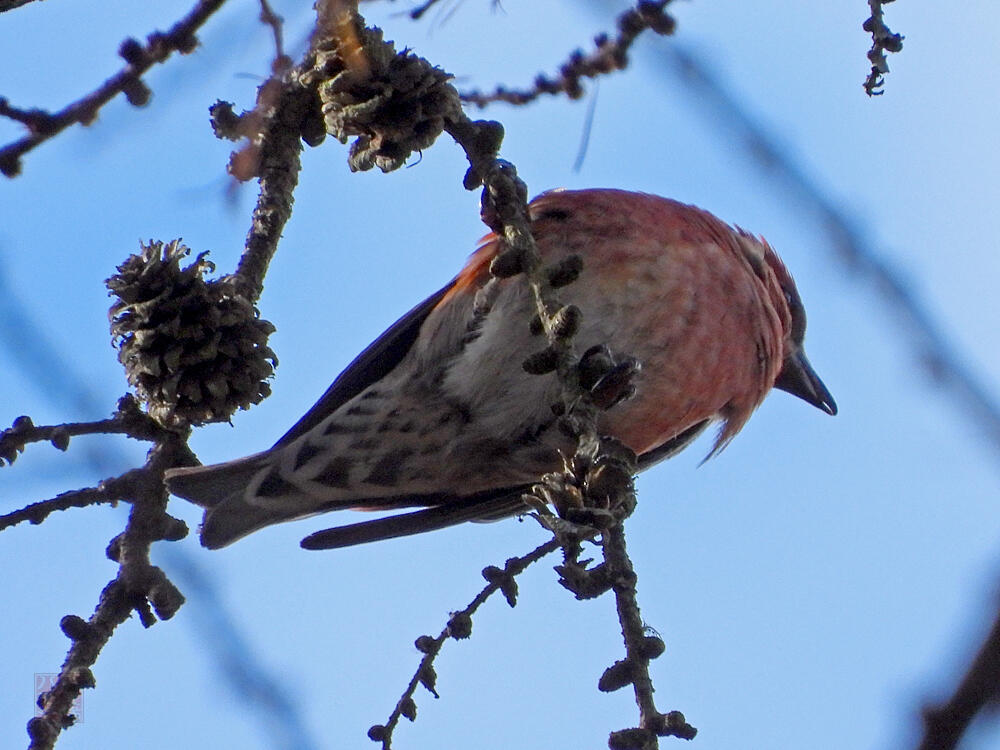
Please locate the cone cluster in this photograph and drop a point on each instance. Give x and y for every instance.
(193, 350)
(394, 104)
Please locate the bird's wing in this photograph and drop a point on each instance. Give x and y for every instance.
(491, 505)
(675, 445)
(449, 510)
(374, 363)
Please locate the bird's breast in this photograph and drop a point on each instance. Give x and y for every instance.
(682, 300)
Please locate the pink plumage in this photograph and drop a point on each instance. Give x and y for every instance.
(437, 416)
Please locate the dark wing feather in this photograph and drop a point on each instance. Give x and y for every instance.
(675, 445)
(380, 358)
(445, 510)
(491, 505)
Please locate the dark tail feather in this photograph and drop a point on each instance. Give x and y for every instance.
(219, 489)
(234, 518)
(491, 506)
(209, 486)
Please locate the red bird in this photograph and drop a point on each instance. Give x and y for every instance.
(439, 416)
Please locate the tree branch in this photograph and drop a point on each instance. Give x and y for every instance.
(127, 420)
(35, 513)
(139, 58)
(459, 627)
(640, 649)
(883, 40)
(276, 158)
(271, 19)
(611, 55)
(139, 586)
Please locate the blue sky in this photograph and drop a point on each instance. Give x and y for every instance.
(815, 584)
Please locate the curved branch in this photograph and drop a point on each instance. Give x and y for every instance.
(275, 22)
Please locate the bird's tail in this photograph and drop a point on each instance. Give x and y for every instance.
(221, 490)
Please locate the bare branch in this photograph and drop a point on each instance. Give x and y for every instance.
(277, 152)
(596, 485)
(139, 58)
(420, 10)
(459, 627)
(35, 513)
(607, 497)
(268, 17)
(883, 40)
(128, 420)
(139, 586)
(640, 649)
(611, 55)
(286, 113)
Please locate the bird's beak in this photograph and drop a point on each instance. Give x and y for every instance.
(798, 378)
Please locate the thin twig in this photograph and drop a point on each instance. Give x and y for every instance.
(883, 40)
(127, 420)
(588, 125)
(459, 627)
(268, 17)
(418, 12)
(35, 513)
(640, 649)
(611, 55)
(238, 665)
(139, 58)
(505, 211)
(274, 131)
